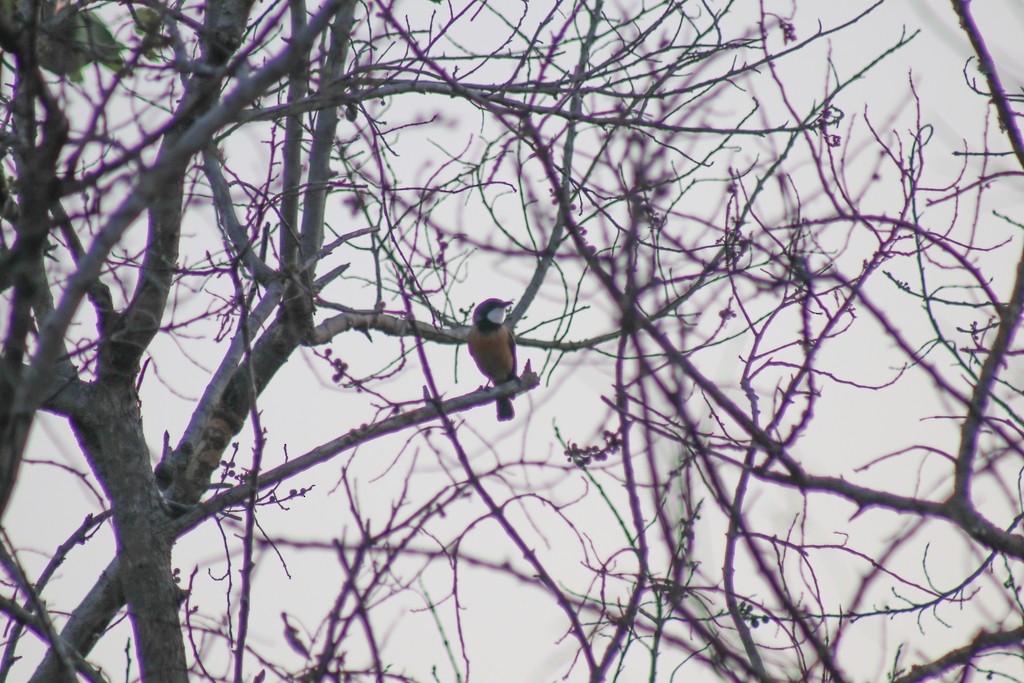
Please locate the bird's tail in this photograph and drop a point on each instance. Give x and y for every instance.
(505, 410)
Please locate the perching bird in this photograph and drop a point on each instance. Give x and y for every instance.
(493, 348)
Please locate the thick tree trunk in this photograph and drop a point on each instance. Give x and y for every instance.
(118, 453)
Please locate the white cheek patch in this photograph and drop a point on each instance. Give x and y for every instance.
(496, 316)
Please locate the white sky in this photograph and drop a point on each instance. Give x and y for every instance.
(514, 632)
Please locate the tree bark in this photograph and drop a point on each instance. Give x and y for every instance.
(112, 439)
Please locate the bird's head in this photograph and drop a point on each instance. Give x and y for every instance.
(490, 312)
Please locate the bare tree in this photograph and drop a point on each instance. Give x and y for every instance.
(769, 422)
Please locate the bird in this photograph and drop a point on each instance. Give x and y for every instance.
(493, 348)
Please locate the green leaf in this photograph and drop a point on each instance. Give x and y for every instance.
(74, 39)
